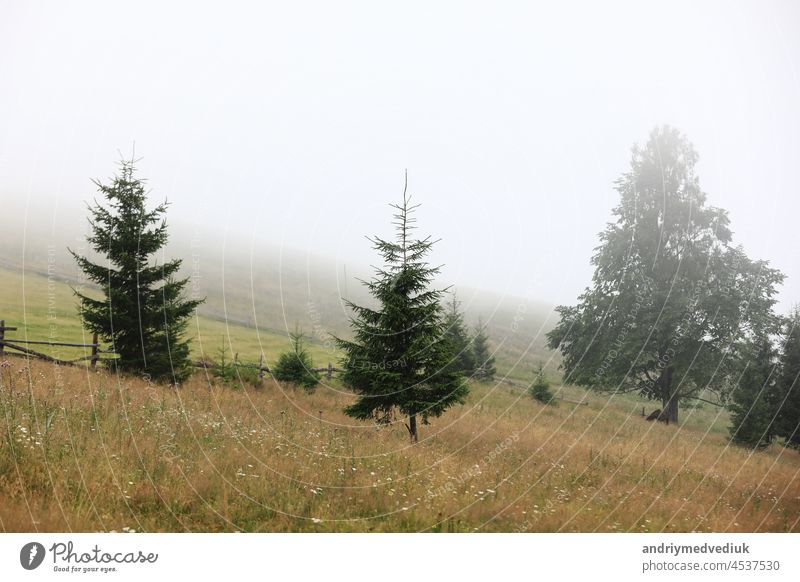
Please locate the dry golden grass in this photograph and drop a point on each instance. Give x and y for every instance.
(91, 451)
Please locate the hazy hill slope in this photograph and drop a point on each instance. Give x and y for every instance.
(273, 290)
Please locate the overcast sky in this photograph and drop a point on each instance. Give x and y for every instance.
(294, 123)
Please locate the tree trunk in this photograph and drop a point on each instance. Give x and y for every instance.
(412, 428)
(669, 398)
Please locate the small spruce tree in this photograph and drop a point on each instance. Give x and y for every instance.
(224, 369)
(142, 313)
(399, 355)
(540, 389)
(484, 360)
(296, 366)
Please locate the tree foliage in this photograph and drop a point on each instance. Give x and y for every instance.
(484, 360)
(296, 366)
(142, 312)
(672, 303)
(540, 389)
(400, 354)
(457, 333)
(753, 402)
(787, 424)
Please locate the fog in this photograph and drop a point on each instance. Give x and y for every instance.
(292, 125)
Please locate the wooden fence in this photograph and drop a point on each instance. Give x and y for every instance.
(205, 364)
(7, 343)
(13, 344)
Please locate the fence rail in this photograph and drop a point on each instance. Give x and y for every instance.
(6, 343)
(12, 344)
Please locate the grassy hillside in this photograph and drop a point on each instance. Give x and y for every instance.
(86, 451)
(45, 309)
(258, 286)
(89, 451)
(43, 306)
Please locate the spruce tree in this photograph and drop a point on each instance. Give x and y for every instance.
(753, 405)
(484, 360)
(788, 419)
(296, 366)
(459, 336)
(398, 358)
(540, 389)
(142, 313)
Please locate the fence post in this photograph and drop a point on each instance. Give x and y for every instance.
(94, 350)
(2, 335)
(330, 371)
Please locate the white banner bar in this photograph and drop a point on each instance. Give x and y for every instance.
(400, 557)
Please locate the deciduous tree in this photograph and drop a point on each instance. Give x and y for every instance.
(672, 301)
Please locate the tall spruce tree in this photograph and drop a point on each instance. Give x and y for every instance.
(398, 359)
(787, 424)
(753, 402)
(142, 314)
(459, 336)
(671, 297)
(484, 360)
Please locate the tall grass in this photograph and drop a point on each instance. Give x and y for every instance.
(93, 451)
